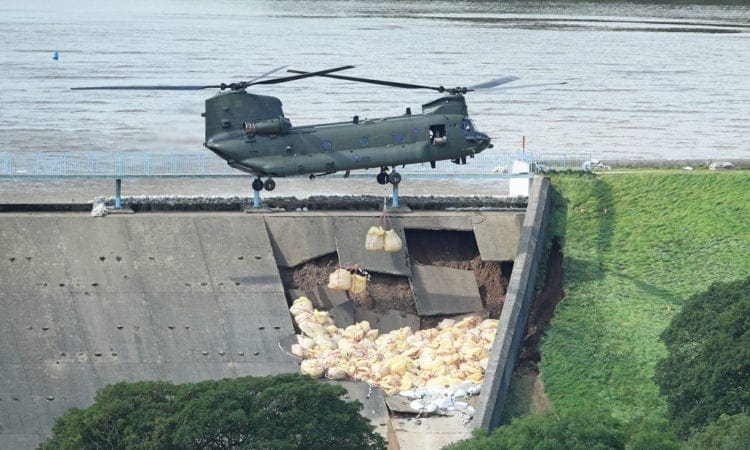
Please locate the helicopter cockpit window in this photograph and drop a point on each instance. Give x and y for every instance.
(467, 126)
(437, 134)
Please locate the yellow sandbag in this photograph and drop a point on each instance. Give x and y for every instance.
(392, 243)
(336, 373)
(375, 238)
(298, 351)
(359, 284)
(301, 305)
(340, 280)
(311, 368)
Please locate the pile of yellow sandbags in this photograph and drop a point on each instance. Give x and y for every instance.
(454, 352)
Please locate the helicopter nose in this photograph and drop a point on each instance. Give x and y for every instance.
(483, 140)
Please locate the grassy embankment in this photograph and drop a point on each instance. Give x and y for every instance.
(636, 246)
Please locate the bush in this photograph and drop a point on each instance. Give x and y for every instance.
(726, 433)
(280, 412)
(707, 370)
(581, 429)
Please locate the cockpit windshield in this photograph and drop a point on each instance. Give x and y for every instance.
(467, 126)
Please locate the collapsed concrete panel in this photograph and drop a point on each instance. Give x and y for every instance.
(498, 235)
(445, 291)
(296, 240)
(391, 320)
(350, 243)
(373, 401)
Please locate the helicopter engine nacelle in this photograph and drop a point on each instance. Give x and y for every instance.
(277, 125)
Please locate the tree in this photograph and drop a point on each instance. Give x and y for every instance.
(707, 370)
(576, 429)
(726, 433)
(280, 412)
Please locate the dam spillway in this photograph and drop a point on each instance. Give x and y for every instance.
(182, 293)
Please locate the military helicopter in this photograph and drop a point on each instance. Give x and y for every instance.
(251, 132)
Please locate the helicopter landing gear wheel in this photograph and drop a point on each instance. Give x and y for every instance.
(269, 184)
(257, 184)
(394, 178)
(382, 178)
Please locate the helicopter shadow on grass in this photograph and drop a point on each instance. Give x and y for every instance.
(599, 207)
(598, 212)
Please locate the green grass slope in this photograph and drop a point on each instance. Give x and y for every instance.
(636, 246)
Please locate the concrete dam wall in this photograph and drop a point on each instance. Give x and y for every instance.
(179, 296)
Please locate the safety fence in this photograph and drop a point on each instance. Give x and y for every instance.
(135, 165)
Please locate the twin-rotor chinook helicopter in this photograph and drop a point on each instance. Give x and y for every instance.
(252, 134)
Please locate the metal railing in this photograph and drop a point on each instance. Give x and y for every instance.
(123, 165)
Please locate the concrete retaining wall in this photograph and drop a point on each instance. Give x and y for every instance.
(515, 314)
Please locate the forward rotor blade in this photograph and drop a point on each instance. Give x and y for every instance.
(493, 83)
(267, 74)
(380, 82)
(320, 73)
(143, 88)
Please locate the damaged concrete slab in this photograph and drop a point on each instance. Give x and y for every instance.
(289, 238)
(432, 432)
(350, 242)
(445, 291)
(343, 314)
(373, 401)
(497, 236)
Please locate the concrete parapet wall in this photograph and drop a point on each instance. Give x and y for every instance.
(515, 313)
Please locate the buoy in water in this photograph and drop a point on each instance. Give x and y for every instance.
(55, 55)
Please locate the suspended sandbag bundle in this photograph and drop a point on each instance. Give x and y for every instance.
(375, 239)
(378, 238)
(392, 243)
(340, 280)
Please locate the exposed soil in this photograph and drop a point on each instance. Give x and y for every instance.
(455, 249)
(543, 306)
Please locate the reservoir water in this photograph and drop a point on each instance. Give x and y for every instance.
(643, 81)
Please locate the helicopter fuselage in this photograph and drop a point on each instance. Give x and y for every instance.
(251, 133)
